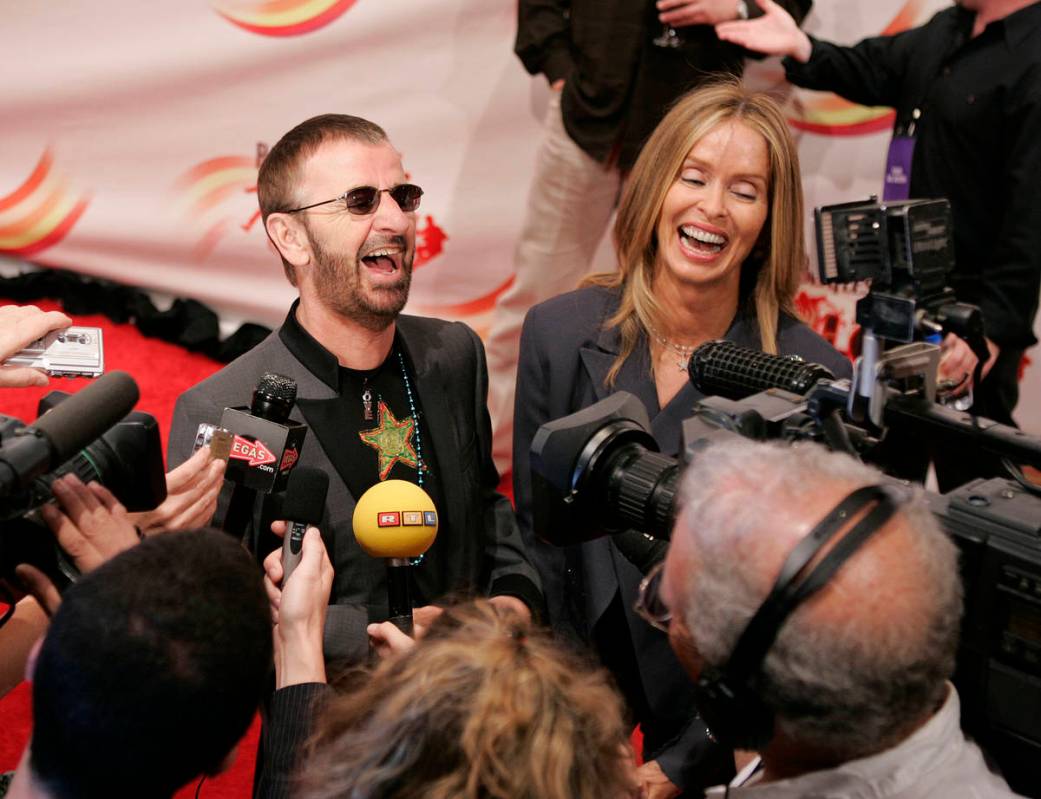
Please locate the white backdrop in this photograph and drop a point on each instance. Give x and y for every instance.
(130, 135)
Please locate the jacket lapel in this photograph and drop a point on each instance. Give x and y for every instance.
(597, 360)
(439, 423)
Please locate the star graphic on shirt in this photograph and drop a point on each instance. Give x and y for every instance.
(392, 440)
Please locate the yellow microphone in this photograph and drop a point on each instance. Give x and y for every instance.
(396, 520)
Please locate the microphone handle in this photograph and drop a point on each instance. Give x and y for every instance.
(292, 549)
(399, 595)
(238, 519)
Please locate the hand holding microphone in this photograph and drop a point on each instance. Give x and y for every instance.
(298, 608)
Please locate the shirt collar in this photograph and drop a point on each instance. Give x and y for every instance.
(877, 775)
(306, 349)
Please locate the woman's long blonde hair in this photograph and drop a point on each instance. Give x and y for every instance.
(770, 274)
(485, 707)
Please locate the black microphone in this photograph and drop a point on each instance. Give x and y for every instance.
(62, 432)
(722, 368)
(265, 447)
(303, 507)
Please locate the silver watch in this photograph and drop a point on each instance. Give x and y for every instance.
(742, 9)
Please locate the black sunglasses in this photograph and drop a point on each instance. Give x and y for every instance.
(365, 200)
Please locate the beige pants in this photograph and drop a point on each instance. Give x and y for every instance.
(570, 203)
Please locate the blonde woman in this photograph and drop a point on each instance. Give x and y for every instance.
(710, 245)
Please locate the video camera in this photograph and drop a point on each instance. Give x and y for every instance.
(93, 434)
(599, 471)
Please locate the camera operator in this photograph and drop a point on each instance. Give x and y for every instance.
(855, 684)
(966, 87)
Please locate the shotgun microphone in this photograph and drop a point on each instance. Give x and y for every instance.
(722, 368)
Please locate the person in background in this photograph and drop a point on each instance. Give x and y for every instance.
(966, 87)
(614, 67)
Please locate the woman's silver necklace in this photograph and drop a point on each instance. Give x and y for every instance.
(682, 351)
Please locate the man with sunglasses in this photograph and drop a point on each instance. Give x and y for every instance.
(853, 599)
(385, 395)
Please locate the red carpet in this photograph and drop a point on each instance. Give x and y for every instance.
(162, 372)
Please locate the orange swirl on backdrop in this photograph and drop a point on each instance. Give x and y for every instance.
(205, 186)
(40, 212)
(829, 115)
(281, 17)
(210, 182)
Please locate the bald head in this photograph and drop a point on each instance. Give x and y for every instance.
(865, 657)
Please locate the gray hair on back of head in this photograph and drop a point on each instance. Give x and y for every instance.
(852, 688)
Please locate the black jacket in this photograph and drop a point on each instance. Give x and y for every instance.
(619, 84)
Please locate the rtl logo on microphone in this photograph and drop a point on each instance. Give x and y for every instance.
(407, 518)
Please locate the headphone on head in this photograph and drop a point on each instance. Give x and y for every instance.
(727, 695)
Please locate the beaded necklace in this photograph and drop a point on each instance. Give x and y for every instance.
(420, 465)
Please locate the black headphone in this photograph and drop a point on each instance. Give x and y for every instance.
(726, 696)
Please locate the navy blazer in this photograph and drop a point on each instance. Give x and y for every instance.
(565, 354)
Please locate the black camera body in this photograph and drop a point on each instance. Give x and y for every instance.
(598, 472)
(127, 459)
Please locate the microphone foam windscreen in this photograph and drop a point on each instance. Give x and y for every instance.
(78, 420)
(395, 519)
(305, 495)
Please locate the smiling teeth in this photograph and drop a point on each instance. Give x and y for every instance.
(382, 253)
(703, 235)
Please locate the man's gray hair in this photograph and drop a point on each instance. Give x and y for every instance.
(851, 686)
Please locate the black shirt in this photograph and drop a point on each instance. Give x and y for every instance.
(978, 143)
(619, 84)
(389, 445)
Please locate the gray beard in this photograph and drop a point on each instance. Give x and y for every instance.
(338, 283)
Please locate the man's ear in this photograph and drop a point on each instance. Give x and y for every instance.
(289, 237)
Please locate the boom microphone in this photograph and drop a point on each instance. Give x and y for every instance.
(722, 368)
(396, 520)
(303, 506)
(62, 432)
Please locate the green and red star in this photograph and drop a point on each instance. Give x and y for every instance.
(392, 441)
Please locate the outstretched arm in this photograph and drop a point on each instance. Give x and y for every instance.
(774, 33)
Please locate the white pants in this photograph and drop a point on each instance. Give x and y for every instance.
(570, 203)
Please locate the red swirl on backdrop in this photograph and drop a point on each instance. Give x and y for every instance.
(206, 186)
(828, 114)
(40, 212)
(281, 17)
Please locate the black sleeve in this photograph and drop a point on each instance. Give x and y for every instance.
(543, 37)
(1012, 278)
(871, 72)
(290, 719)
(510, 568)
(531, 410)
